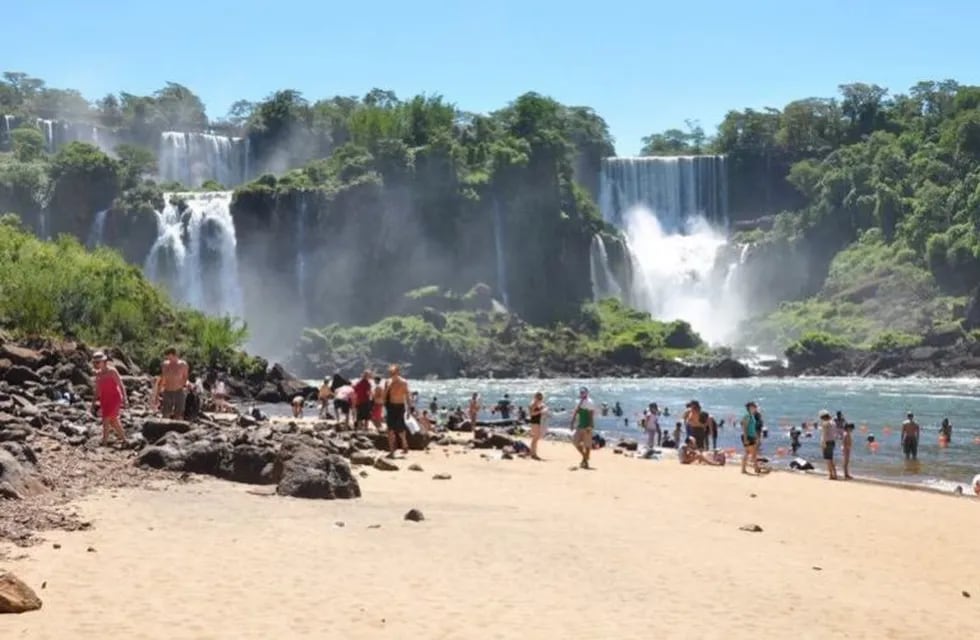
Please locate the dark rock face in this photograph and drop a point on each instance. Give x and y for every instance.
(306, 470)
(17, 477)
(959, 359)
(156, 428)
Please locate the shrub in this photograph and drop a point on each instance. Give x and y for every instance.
(892, 340)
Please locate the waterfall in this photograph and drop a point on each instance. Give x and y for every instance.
(498, 241)
(47, 128)
(8, 129)
(42, 224)
(677, 188)
(674, 214)
(604, 283)
(96, 235)
(195, 253)
(301, 225)
(193, 158)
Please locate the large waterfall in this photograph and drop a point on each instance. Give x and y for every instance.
(604, 284)
(673, 212)
(194, 255)
(498, 242)
(193, 158)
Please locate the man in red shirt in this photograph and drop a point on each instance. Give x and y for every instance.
(362, 401)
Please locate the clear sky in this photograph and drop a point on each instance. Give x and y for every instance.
(645, 66)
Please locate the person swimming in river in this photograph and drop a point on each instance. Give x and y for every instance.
(617, 410)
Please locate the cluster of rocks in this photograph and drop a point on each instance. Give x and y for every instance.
(941, 355)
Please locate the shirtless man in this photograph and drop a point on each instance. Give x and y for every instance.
(170, 391)
(396, 401)
(474, 409)
(910, 438)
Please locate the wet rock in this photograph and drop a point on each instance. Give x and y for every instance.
(384, 464)
(414, 515)
(268, 393)
(15, 596)
(156, 428)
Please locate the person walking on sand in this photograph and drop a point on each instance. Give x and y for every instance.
(750, 437)
(537, 411)
(828, 440)
(396, 402)
(910, 438)
(170, 391)
(846, 443)
(583, 423)
(111, 397)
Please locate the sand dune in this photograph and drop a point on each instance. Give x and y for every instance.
(515, 549)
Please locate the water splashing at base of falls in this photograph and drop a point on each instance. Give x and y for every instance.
(674, 275)
(673, 212)
(194, 255)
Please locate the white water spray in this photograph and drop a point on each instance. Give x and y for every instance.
(96, 235)
(604, 283)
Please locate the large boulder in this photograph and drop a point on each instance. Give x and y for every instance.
(726, 368)
(18, 374)
(21, 355)
(15, 596)
(307, 471)
(17, 477)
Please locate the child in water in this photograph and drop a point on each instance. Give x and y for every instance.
(846, 448)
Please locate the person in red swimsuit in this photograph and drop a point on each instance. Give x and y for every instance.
(111, 397)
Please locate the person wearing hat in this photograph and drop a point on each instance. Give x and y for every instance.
(111, 397)
(583, 423)
(827, 442)
(910, 438)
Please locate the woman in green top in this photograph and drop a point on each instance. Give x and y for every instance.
(583, 421)
(750, 436)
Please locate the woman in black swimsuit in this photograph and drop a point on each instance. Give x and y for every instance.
(537, 408)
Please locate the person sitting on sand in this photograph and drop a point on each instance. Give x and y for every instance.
(425, 422)
(111, 397)
(689, 454)
(583, 422)
(396, 402)
(538, 429)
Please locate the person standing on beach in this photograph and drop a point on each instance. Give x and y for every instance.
(170, 391)
(362, 401)
(828, 439)
(583, 423)
(651, 424)
(538, 409)
(846, 444)
(111, 396)
(377, 403)
(910, 438)
(396, 401)
(750, 437)
(473, 410)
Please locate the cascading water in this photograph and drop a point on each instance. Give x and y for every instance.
(498, 240)
(674, 212)
(96, 235)
(47, 128)
(193, 158)
(604, 283)
(195, 253)
(8, 128)
(301, 220)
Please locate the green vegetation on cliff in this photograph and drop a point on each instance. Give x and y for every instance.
(56, 289)
(476, 342)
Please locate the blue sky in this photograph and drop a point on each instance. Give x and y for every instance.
(644, 66)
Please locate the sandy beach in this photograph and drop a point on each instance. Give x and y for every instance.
(513, 549)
